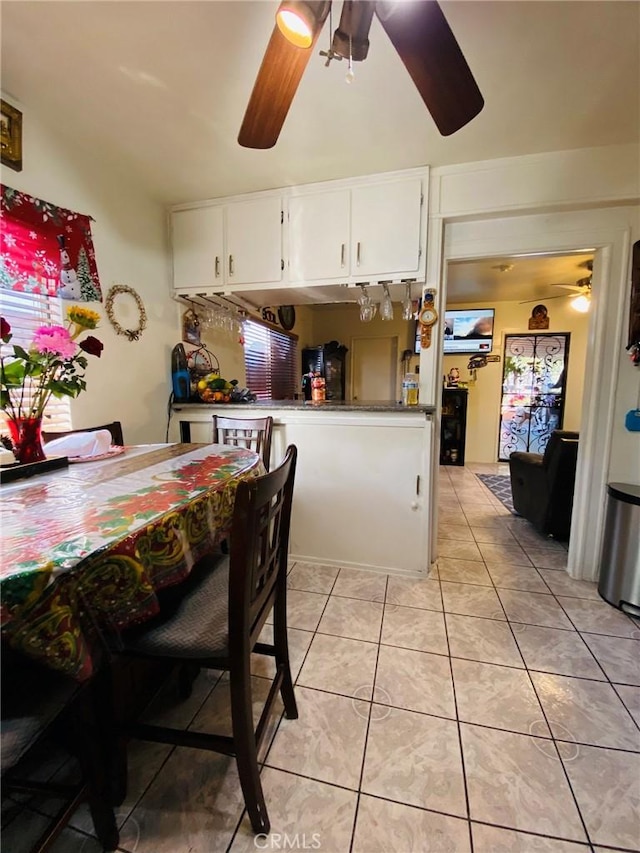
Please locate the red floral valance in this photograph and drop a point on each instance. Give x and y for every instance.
(46, 249)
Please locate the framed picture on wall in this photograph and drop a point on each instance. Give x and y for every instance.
(11, 136)
(191, 328)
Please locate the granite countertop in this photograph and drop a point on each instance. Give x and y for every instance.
(306, 405)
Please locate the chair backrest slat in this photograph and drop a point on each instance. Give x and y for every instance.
(259, 546)
(115, 428)
(252, 433)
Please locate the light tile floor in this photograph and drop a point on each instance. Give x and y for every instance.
(493, 706)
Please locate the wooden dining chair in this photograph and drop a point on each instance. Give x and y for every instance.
(253, 433)
(115, 428)
(35, 701)
(217, 622)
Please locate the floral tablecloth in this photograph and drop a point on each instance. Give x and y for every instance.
(92, 544)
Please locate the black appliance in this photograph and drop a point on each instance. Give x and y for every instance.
(180, 378)
(329, 361)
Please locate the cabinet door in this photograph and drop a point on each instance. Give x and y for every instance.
(254, 241)
(385, 228)
(319, 236)
(196, 237)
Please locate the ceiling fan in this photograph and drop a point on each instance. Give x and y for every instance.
(417, 29)
(581, 298)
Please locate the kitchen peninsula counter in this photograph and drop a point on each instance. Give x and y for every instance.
(306, 405)
(363, 479)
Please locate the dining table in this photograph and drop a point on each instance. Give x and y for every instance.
(87, 548)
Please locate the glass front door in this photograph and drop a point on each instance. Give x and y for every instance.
(533, 389)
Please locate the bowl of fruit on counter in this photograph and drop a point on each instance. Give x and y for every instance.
(212, 388)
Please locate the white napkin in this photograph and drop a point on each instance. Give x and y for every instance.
(81, 444)
(7, 457)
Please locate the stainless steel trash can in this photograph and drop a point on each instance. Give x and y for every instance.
(619, 582)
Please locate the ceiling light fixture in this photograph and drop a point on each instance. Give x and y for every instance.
(297, 20)
(581, 303)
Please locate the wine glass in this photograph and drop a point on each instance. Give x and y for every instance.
(407, 307)
(386, 305)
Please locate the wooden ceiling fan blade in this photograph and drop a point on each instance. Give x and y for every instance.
(278, 79)
(427, 46)
(280, 73)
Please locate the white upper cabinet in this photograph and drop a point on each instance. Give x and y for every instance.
(254, 241)
(348, 231)
(198, 247)
(385, 228)
(219, 245)
(371, 230)
(319, 236)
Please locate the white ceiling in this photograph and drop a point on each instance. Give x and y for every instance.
(531, 278)
(158, 89)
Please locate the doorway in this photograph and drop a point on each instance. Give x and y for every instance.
(541, 280)
(374, 368)
(606, 234)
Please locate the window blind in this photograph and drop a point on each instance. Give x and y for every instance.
(270, 361)
(25, 312)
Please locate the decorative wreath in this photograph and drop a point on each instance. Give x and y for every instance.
(132, 334)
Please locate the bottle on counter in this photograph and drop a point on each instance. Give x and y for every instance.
(306, 385)
(410, 389)
(318, 388)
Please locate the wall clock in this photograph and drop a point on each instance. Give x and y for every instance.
(287, 317)
(428, 317)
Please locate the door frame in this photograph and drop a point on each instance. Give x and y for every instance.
(395, 369)
(608, 234)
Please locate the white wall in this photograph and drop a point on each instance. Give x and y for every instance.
(483, 412)
(131, 381)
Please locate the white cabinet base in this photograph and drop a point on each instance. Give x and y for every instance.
(361, 493)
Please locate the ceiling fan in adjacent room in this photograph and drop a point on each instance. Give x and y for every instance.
(581, 298)
(417, 29)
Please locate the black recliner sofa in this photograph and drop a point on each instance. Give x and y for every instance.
(542, 484)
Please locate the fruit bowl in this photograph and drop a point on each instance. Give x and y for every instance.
(208, 395)
(214, 389)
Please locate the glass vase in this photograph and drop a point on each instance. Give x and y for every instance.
(26, 437)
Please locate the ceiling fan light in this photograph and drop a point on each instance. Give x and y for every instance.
(297, 22)
(581, 303)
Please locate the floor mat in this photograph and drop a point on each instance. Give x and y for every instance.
(501, 488)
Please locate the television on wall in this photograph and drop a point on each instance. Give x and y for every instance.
(468, 331)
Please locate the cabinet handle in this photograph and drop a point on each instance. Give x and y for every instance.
(217, 266)
(230, 264)
(358, 254)
(342, 255)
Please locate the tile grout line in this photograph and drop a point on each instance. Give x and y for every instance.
(458, 728)
(368, 727)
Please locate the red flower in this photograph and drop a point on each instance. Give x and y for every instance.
(91, 345)
(5, 328)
